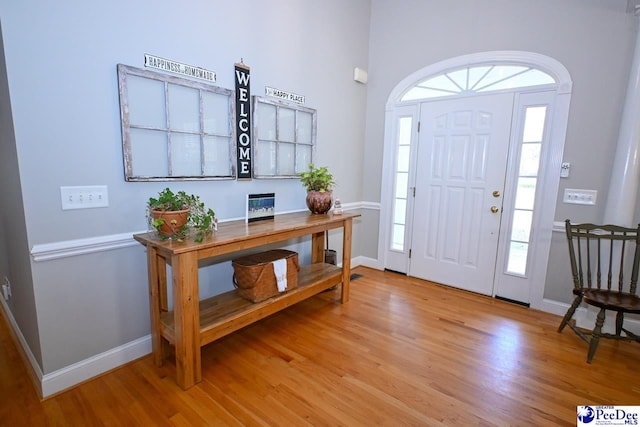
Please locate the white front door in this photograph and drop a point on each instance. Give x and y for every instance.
(459, 182)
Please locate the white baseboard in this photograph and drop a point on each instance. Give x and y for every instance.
(366, 262)
(72, 375)
(558, 308)
(34, 367)
(585, 317)
(84, 370)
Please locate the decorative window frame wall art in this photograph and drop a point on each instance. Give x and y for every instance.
(175, 128)
(284, 137)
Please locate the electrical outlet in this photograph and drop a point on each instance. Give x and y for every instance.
(580, 197)
(6, 289)
(84, 197)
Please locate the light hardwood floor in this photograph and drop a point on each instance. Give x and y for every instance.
(401, 352)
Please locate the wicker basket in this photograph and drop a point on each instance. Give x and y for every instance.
(254, 277)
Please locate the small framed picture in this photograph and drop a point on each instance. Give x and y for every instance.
(260, 206)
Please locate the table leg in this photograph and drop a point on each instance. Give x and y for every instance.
(346, 260)
(186, 319)
(153, 264)
(162, 281)
(165, 347)
(317, 247)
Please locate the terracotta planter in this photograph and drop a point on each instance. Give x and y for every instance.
(174, 221)
(319, 202)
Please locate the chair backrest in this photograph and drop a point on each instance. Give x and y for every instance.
(604, 256)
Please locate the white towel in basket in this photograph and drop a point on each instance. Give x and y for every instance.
(280, 270)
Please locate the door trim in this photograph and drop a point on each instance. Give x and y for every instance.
(558, 130)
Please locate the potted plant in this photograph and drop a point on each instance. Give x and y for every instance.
(319, 184)
(175, 214)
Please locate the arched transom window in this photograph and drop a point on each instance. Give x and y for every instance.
(479, 78)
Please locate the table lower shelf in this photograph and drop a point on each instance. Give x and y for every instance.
(226, 313)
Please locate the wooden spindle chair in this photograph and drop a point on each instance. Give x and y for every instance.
(604, 265)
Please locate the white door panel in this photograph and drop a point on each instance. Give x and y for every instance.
(462, 155)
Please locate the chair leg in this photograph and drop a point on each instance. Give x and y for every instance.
(619, 322)
(567, 317)
(595, 335)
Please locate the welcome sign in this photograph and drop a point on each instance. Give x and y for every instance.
(243, 121)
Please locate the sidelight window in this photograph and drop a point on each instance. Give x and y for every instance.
(401, 183)
(527, 181)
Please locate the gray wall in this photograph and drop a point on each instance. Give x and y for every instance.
(14, 251)
(61, 65)
(593, 39)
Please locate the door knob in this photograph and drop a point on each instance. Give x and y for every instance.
(494, 209)
(496, 193)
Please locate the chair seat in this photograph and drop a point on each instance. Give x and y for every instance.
(612, 300)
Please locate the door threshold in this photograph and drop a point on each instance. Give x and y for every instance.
(524, 304)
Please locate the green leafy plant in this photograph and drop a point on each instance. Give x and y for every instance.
(317, 179)
(199, 218)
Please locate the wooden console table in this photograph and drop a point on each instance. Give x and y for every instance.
(194, 323)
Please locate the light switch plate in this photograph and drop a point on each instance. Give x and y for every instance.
(580, 197)
(84, 197)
